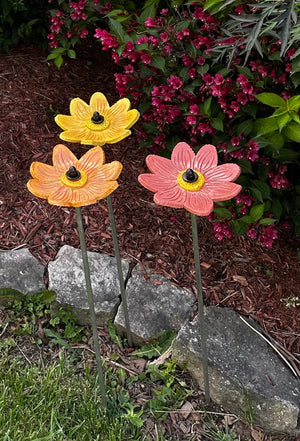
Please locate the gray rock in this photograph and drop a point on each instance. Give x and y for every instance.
(66, 278)
(20, 270)
(154, 306)
(245, 373)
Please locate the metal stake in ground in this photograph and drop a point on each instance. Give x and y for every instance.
(91, 305)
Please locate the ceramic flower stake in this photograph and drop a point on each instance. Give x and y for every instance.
(75, 183)
(192, 182)
(98, 124)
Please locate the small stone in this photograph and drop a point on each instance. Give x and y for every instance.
(20, 270)
(154, 306)
(66, 278)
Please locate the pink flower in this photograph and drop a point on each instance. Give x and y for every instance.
(174, 82)
(146, 58)
(150, 23)
(190, 181)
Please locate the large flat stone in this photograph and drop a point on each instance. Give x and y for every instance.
(154, 306)
(66, 278)
(245, 373)
(20, 270)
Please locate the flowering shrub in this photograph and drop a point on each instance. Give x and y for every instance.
(186, 93)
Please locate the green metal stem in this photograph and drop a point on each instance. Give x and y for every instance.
(119, 266)
(91, 305)
(200, 307)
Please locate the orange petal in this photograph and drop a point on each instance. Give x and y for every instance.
(162, 166)
(42, 189)
(67, 122)
(108, 172)
(44, 172)
(63, 158)
(98, 103)
(182, 156)
(225, 172)
(79, 109)
(206, 158)
(220, 190)
(61, 197)
(91, 160)
(198, 203)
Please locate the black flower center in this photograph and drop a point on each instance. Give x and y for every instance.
(73, 174)
(189, 175)
(97, 118)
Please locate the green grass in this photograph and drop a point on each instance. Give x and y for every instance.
(57, 403)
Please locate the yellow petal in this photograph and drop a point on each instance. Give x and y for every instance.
(63, 158)
(69, 122)
(75, 135)
(79, 109)
(98, 103)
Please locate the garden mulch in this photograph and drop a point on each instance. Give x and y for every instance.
(238, 273)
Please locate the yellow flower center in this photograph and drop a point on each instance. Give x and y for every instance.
(77, 183)
(195, 185)
(97, 126)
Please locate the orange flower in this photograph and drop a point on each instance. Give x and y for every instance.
(191, 181)
(97, 123)
(73, 182)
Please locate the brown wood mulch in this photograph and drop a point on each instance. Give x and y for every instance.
(237, 273)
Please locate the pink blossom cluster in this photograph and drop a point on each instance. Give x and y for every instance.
(267, 235)
(246, 200)
(277, 178)
(78, 13)
(222, 230)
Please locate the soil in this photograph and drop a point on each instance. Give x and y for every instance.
(238, 273)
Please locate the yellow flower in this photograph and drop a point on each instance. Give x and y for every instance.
(97, 123)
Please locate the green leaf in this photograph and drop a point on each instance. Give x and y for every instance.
(276, 141)
(296, 79)
(267, 221)
(182, 25)
(271, 99)
(223, 213)
(292, 131)
(239, 228)
(245, 165)
(245, 71)
(256, 194)
(71, 53)
(263, 187)
(205, 107)
(159, 62)
(116, 28)
(247, 219)
(156, 346)
(58, 61)
(149, 11)
(217, 124)
(265, 125)
(283, 120)
(295, 117)
(256, 212)
(9, 294)
(203, 69)
(245, 127)
(277, 208)
(293, 103)
(275, 56)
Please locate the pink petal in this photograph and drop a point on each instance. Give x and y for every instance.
(206, 158)
(220, 190)
(182, 156)
(224, 172)
(156, 182)
(198, 203)
(173, 197)
(161, 166)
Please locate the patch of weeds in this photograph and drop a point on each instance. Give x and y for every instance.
(168, 390)
(156, 346)
(214, 433)
(265, 269)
